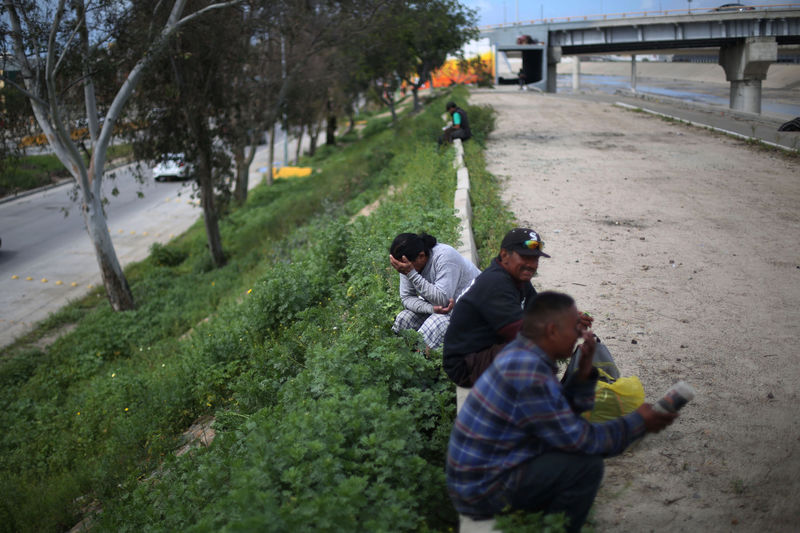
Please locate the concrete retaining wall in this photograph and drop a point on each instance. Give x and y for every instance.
(468, 250)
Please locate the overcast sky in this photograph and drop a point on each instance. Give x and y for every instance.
(500, 11)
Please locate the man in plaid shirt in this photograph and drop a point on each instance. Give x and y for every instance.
(519, 441)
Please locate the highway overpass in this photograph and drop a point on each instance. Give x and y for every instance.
(747, 42)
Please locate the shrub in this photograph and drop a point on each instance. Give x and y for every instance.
(166, 255)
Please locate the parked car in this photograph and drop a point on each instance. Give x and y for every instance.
(733, 7)
(172, 166)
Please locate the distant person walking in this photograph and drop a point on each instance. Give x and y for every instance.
(432, 275)
(460, 126)
(522, 85)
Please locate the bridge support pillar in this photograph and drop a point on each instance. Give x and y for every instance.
(746, 63)
(633, 72)
(576, 73)
(553, 58)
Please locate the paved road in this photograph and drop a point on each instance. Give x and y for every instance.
(54, 251)
(47, 259)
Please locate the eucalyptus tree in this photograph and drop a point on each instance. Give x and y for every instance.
(15, 117)
(57, 44)
(305, 33)
(203, 97)
(380, 55)
(432, 30)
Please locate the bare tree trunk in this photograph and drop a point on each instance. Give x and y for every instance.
(270, 166)
(210, 210)
(243, 163)
(117, 290)
(240, 186)
(330, 131)
(313, 131)
(415, 93)
(299, 148)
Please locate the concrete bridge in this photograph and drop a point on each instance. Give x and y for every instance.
(747, 42)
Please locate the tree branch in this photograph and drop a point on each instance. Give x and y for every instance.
(66, 45)
(24, 91)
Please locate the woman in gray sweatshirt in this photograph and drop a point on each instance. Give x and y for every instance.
(432, 276)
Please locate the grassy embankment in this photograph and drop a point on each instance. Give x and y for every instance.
(19, 174)
(325, 420)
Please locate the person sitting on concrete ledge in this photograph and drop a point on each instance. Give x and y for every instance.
(519, 442)
(489, 314)
(460, 127)
(431, 276)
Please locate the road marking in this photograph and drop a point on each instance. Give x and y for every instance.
(14, 277)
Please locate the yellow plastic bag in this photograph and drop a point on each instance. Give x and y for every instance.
(612, 400)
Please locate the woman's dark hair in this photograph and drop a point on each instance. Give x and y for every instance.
(411, 244)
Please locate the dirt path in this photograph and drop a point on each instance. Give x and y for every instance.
(684, 245)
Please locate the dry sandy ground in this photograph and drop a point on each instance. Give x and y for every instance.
(685, 246)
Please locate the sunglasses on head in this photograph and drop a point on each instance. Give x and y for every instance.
(533, 245)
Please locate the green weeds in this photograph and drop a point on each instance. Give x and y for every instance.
(325, 420)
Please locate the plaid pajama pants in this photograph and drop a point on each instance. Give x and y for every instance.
(431, 327)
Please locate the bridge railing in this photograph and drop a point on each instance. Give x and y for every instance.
(634, 14)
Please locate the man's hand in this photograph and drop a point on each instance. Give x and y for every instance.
(587, 354)
(586, 320)
(443, 310)
(653, 420)
(404, 266)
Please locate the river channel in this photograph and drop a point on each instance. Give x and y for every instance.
(775, 101)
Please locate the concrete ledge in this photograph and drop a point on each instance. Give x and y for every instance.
(463, 207)
(468, 525)
(463, 210)
(462, 179)
(458, 163)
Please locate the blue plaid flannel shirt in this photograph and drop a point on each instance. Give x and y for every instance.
(517, 411)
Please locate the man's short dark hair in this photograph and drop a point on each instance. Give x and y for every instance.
(450, 105)
(544, 308)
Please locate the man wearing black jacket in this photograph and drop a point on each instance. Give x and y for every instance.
(488, 315)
